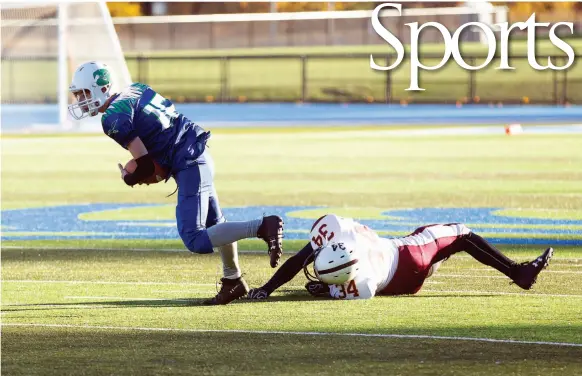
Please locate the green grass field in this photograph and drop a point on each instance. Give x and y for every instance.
(94, 307)
(332, 79)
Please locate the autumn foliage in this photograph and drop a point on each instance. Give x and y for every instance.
(517, 9)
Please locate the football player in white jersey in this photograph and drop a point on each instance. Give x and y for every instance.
(350, 261)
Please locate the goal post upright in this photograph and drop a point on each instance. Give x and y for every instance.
(125, 75)
(85, 32)
(63, 66)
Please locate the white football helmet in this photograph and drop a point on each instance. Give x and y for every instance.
(90, 86)
(335, 264)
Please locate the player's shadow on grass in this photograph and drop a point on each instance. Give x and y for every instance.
(444, 295)
(153, 303)
(162, 303)
(299, 295)
(289, 296)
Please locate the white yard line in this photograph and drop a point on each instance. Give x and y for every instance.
(562, 258)
(437, 274)
(107, 282)
(367, 335)
(522, 294)
(56, 306)
(122, 298)
(17, 247)
(545, 271)
(189, 291)
(566, 264)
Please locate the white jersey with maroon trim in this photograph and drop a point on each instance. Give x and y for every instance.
(378, 256)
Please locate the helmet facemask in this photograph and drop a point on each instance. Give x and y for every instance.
(85, 104)
(312, 277)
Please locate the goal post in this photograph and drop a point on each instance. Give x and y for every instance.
(63, 74)
(42, 44)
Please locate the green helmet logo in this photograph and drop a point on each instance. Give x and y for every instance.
(101, 77)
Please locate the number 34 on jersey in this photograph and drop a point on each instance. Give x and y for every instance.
(358, 288)
(347, 289)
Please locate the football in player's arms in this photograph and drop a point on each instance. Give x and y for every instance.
(162, 141)
(350, 261)
(159, 174)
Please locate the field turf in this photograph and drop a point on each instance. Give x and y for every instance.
(93, 307)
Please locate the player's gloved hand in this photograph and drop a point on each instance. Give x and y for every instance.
(123, 172)
(317, 289)
(257, 294)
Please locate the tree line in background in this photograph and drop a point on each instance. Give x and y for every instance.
(133, 9)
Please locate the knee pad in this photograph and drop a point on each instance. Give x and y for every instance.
(197, 241)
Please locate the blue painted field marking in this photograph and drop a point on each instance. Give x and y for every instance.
(63, 222)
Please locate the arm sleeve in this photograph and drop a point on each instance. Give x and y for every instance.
(289, 269)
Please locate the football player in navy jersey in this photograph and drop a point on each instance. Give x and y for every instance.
(147, 125)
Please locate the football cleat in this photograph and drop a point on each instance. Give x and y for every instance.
(317, 289)
(257, 294)
(271, 231)
(232, 289)
(525, 274)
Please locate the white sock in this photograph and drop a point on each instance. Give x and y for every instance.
(229, 255)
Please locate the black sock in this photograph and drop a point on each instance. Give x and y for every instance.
(487, 254)
(288, 270)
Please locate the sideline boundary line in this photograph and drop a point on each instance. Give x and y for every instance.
(368, 335)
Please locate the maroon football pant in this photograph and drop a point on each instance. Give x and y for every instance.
(419, 251)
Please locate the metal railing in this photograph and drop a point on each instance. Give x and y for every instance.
(218, 31)
(317, 78)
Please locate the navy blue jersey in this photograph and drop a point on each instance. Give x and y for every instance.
(138, 111)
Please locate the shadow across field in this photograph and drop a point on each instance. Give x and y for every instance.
(58, 351)
(289, 296)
